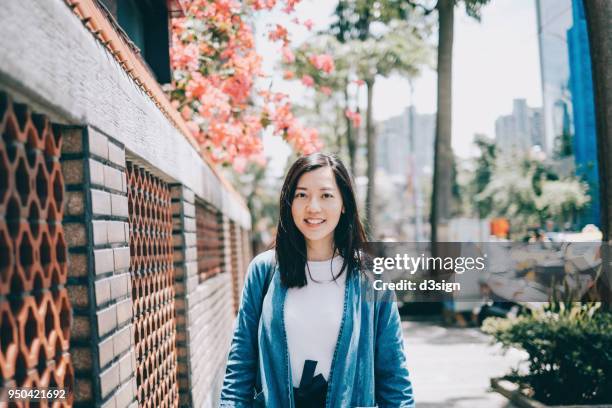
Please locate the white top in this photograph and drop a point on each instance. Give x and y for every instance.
(313, 314)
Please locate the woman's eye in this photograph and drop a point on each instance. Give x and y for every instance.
(300, 195)
(327, 195)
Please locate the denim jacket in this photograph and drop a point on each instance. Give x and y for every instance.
(368, 366)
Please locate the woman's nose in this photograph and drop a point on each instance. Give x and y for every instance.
(313, 205)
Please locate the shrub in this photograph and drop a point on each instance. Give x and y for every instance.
(570, 352)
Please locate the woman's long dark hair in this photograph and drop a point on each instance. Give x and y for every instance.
(349, 234)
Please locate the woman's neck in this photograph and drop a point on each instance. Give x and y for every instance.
(321, 250)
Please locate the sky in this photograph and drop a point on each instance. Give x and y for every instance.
(494, 61)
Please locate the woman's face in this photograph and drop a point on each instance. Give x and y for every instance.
(317, 205)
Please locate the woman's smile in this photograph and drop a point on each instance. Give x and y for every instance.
(314, 222)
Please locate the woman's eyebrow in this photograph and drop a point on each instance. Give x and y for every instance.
(321, 189)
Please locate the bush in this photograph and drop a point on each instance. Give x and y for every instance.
(570, 352)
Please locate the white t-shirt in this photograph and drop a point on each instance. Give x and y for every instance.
(313, 314)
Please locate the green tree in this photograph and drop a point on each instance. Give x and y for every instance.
(528, 192)
(397, 51)
(399, 47)
(377, 57)
(483, 173)
(441, 197)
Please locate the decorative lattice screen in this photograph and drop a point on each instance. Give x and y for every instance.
(209, 242)
(35, 311)
(152, 270)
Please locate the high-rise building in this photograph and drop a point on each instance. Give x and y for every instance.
(581, 87)
(521, 130)
(405, 151)
(410, 133)
(554, 18)
(393, 145)
(567, 85)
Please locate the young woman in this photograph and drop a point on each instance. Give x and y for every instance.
(310, 331)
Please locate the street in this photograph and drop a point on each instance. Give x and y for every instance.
(451, 367)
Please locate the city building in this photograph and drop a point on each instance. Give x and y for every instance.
(554, 18)
(521, 130)
(401, 136)
(405, 154)
(567, 86)
(581, 87)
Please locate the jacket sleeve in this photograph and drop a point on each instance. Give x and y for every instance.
(392, 385)
(242, 362)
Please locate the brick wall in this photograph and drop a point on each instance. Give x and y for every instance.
(204, 298)
(82, 284)
(99, 285)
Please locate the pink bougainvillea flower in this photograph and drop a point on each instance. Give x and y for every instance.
(325, 90)
(186, 112)
(185, 56)
(355, 117)
(323, 62)
(290, 5)
(307, 80)
(288, 56)
(263, 4)
(308, 24)
(240, 164)
(288, 75)
(214, 79)
(279, 33)
(359, 82)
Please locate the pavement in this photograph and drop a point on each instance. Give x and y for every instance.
(451, 367)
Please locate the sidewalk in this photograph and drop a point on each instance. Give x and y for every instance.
(451, 367)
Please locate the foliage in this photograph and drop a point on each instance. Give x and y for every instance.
(524, 189)
(473, 8)
(563, 145)
(402, 49)
(354, 18)
(215, 66)
(483, 173)
(569, 348)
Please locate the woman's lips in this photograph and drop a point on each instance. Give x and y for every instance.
(314, 222)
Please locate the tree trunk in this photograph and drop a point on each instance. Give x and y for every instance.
(371, 172)
(350, 140)
(441, 196)
(599, 22)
